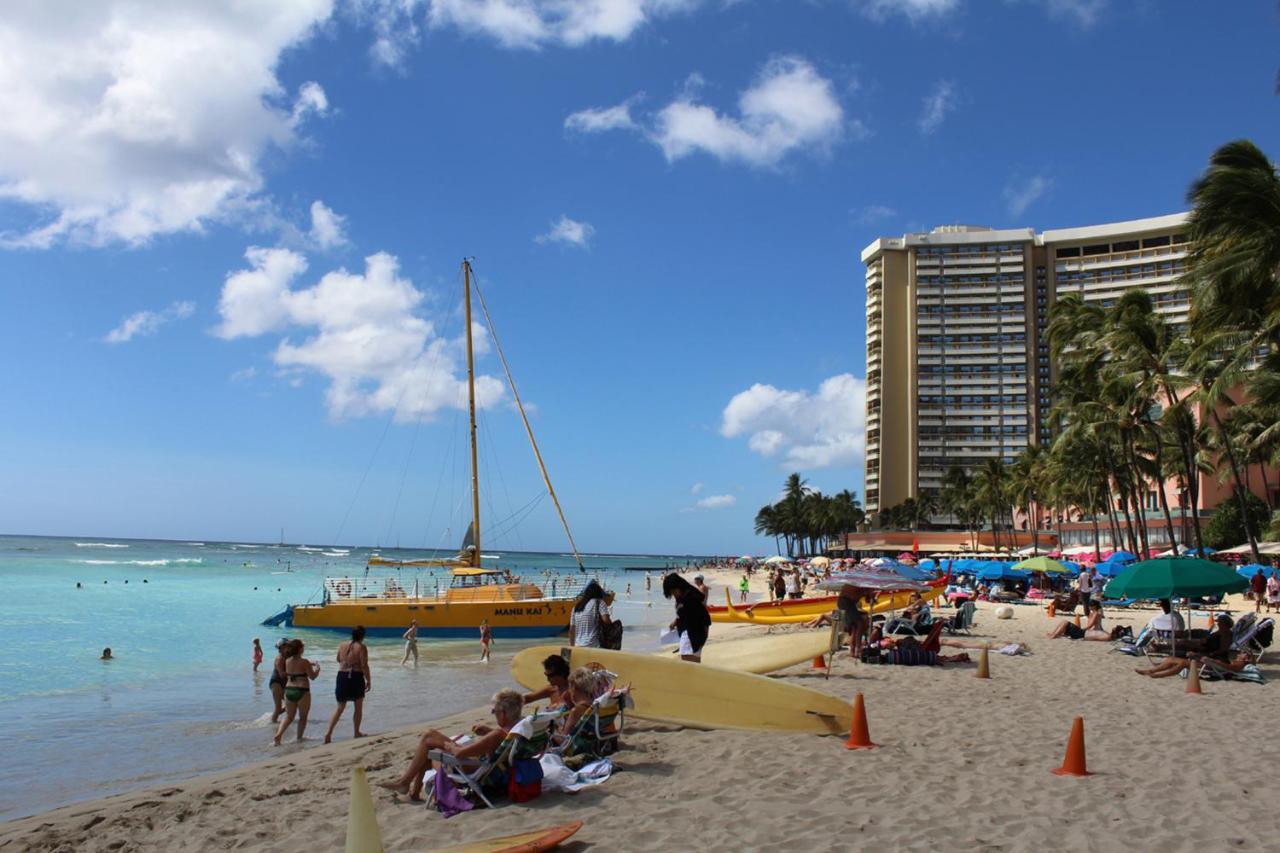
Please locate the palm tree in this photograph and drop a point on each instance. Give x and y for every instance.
(992, 490)
(1026, 482)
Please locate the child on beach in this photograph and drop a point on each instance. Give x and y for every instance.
(486, 640)
(257, 654)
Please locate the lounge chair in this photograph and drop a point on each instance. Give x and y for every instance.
(1254, 639)
(909, 652)
(962, 620)
(1212, 670)
(596, 733)
(1066, 604)
(528, 739)
(1135, 646)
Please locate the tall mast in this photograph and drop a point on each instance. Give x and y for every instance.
(471, 406)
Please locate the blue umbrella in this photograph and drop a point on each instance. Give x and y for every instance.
(1252, 569)
(1000, 572)
(1200, 552)
(1109, 569)
(1122, 557)
(914, 573)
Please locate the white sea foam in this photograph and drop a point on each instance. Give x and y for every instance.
(197, 544)
(140, 562)
(308, 548)
(246, 546)
(100, 545)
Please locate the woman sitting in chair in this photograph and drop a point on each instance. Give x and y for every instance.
(507, 705)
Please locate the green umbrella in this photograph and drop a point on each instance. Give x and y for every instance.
(1170, 577)
(1043, 564)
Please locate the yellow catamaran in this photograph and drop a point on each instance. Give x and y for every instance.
(385, 608)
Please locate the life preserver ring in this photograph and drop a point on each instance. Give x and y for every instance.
(342, 589)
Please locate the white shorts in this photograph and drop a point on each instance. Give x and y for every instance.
(686, 647)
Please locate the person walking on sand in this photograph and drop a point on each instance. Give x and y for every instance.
(1258, 586)
(1085, 587)
(1273, 591)
(354, 680)
(700, 583)
(692, 620)
(298, 675)
(277, 682)
(486, 640)
(744, 586)
(257, 654)
(589, 613)
(779, 586)
(411, 644)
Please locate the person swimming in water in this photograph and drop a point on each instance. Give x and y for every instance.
(106, 654)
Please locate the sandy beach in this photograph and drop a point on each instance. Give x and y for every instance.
(963, 764)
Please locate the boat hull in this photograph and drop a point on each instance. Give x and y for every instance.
(884, 604)
(544, 617)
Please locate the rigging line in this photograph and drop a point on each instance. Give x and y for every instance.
(505, 491)
(488, 469)
(435, 497)
(513, 521)
(368, 467)
(528, 429)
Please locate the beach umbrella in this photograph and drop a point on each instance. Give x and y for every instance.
(820, 561)
(773, 561)
(1199, 552)
(1252, 569)
(1172, 577)
(914, 573)
(997, 571)
(878, 581)
(1042, 564)
(746, 558)
(1121, 557)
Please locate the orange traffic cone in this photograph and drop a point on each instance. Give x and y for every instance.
(1077, 621)
(859, 736)
(1193, 679)
(819, 662)
(984, 665)
(1074, 764)
(1052, 608)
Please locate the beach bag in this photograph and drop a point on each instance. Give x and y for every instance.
(524, 782)
(611, 635)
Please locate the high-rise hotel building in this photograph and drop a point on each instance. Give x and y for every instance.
(958, 363)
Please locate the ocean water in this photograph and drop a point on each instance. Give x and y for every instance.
(180, 697)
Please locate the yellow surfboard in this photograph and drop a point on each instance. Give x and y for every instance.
(698, 695)
(763, 654)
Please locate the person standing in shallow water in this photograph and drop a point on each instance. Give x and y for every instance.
(257, 654)
(276, 684)
(486, 640)
(298, 674)
(354, 680)
(411, 644)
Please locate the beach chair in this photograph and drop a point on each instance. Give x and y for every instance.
(1135, 646)
(596, 734)
(962, 620)
(1212, 670)
(528, 739)
(1255, 638)
(1066, 604)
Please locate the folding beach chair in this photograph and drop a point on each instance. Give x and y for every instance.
(1135, 645)
(1254, 639)
(596, 733)
(528, 739)
(1212, 670)
(963, 620)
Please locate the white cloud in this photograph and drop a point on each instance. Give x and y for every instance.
(534, 23)
(566, 230)
(145, 323)
(326, 226)
(789, 107)
(1083, 12)
(874, 213)
(914, 10)
(128, 119)
(599, 119)
(717, 502)
(244, 374)
(365, 333)
(809, 430)
(695, 489)
(1019, 195)
(937, 104)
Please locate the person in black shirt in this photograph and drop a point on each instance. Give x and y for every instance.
(692, 619)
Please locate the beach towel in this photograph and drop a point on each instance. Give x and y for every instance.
(449, 800)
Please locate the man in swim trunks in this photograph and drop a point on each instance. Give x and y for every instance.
(411, 643)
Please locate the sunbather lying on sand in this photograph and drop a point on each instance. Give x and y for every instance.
(1092, 629)
(507, 705)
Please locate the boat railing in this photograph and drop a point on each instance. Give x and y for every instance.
(552, 585)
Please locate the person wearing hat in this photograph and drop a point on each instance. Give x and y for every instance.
(702, 587)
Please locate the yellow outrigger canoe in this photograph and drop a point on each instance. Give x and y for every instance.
(800, 612)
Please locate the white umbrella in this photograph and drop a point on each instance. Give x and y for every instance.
(820, 561)
(777, 559)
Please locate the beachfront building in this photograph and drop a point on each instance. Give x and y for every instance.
(958, 363)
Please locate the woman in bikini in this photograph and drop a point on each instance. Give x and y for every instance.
(354, 680)
(277, 680)
(298, 675)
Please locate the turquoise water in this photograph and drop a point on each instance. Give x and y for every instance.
(180, 698)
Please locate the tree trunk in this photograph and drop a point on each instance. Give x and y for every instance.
(1164, 500)
(1186, 429)
(1235, 475)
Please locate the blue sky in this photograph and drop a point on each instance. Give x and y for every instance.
(230, 241)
